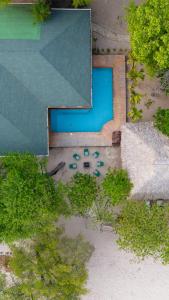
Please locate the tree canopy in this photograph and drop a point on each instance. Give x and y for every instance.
(51, 267)
(28, 197)
(148, 25)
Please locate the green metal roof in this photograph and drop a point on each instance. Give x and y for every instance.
(50, 67)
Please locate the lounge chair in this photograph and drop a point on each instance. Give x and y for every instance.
(96, 154)
(73, 166)
(86, 152)
(57, 169)
(97, 173)
(100, 163)
(76, 156)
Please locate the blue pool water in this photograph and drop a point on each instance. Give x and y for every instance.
(93, 119)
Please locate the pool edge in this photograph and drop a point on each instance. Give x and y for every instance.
(104, 137)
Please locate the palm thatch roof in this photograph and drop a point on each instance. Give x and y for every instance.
(145, 154)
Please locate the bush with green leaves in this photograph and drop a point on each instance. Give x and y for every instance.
(28, 197)
(82, 192)
(161, 120)
(116, 185)
(144, 230)
(102, 211)
(80, 3)
(41, 10)
(51, 267)
(149, 35)
(4, 3)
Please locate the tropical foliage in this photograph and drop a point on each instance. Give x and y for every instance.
(85, 196)
(135, 75)
(28, 198)
(148, 28)
(161, 120)
(144, 230)
(80, 3)
(82, 192)
(3, 3)
(41, 10)
(52, 267)
(116, 185)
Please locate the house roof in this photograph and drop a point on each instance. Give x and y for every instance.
(145, 155)
(41, 66)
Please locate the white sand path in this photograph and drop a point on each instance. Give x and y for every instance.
(117, 275)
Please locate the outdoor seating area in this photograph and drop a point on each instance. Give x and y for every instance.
(89, 165)
(90, 160)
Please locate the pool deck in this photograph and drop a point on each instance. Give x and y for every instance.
(104, 137)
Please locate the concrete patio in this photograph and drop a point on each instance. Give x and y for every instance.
(110, 156)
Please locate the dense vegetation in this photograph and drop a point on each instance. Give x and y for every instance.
(83, 195)
(116, 185)
(51, 267)
(41, 10)
(161, 120)
(3, 3)
(80, 3)
(144, 230)
(149, 34)
(28, 198)
(82, 192)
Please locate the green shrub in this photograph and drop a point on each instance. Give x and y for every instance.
(52, 267)
(102, 211)
(41, 10)
(161, 120)
(116, 185)
(144, 230)
(4, 3)
(82, 192)
(28, 198)
(80, 3)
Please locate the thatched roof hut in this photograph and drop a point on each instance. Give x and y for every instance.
(145, 154)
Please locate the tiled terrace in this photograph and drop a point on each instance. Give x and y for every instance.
(103, 138)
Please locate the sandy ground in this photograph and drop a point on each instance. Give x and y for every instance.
(115, 274)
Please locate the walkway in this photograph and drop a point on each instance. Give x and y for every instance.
(115, 274)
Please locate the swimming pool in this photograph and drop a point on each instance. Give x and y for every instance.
(92, 119)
